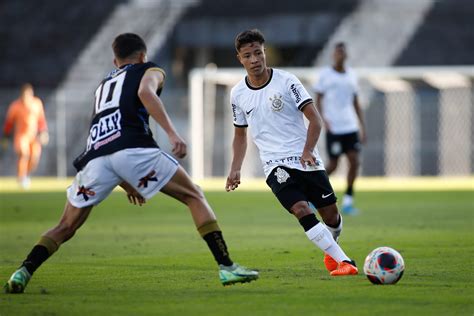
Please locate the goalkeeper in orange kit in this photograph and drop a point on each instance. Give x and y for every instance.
(27, 122)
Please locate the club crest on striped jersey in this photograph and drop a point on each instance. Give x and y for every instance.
(281, 175)
(277, 103)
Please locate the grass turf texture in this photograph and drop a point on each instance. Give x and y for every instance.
(128, 260)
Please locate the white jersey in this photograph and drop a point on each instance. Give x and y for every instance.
(339, 90)
(273, 112)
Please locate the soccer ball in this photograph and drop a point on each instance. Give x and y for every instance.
(384, 265)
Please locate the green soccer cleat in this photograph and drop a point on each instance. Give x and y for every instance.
(18, 281)
(236, 274)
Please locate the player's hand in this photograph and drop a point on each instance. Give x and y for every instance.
(233, 180)
(307, 159)
(179, 146)
(133, 196)
(43, 138)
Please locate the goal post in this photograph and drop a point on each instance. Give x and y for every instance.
(420, 121)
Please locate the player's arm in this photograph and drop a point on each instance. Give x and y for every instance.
(360, 116)
(42, 126)
(8, 126)
(314, 130)
(9, 120)
(151, 101)
(239, 146)
(319, 107)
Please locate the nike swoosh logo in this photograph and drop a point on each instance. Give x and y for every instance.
(325, 196)
(248, 112)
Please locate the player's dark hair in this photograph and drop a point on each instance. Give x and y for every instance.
(127, 44)
(248, 36)
(340, 45)
(26, 86)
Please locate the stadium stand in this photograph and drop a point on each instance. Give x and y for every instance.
(446, 36)
(297, 30)
(370, 29)
(41, 39)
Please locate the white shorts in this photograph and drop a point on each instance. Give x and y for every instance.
(148, 170)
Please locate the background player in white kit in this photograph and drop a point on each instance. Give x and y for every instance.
(272, 102)
(121, 151)
(336, 100)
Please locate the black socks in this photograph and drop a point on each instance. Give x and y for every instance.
(217, 245)
(35, 258)
(308, 221)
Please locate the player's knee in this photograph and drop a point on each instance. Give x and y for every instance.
(301, 209)
(199, 192)
(330, 215)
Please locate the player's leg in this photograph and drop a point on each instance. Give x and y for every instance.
(334, 150)
(333, 220)
(322, 237)
(351, 147)
(294, 199)
(91, 185)
(156, 171)
(22, 149)
(321, 194)
(35, 154)
(184, 190)
(71, 220)
(348, 199)
(316, 231)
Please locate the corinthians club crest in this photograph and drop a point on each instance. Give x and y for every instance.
(281, 175)
(277, 103)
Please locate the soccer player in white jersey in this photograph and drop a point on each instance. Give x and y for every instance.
(273, 103)
(121, 151)
(336, 100)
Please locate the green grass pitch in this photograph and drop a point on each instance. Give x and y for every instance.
(149, 260)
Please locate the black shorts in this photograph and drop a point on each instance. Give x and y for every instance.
(293, 185)
(336, 144)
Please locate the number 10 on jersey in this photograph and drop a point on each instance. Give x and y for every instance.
(107, 95)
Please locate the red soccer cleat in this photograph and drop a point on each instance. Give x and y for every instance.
(345, 268)
(330, 263)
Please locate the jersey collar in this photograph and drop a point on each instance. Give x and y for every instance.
(262, 86)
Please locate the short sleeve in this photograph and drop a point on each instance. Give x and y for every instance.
(298, 92)
(151, 66)
(238, 114)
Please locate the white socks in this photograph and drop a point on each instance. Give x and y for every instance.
(323, 238)
(337, 230)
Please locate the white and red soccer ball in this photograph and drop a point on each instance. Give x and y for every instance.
(384, 265)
